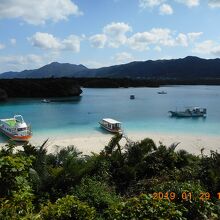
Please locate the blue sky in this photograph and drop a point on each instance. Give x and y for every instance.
(100, 33)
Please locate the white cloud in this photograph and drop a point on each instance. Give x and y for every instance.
(194, 36)
(123, 57)
(207, 47)
(98, 40)
(38, 12)
(48, 41)
(158, 49)
(116, 33)
(13, 41)
(214, 3)
(204, 47)
(166, 9)
(72, 43)
(149, 3)
(141, 41)
(161, 37)
(189, 3)
(21, 62)
(216, 51)
(94, 64)
(167, 57)
(2, 46)
(45, 41)
(182, 40)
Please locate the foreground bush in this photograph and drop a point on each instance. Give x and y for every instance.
(195, 202)
(145, 207)
(34, 185)
(16, 194)
(96, 193)
(68, 207)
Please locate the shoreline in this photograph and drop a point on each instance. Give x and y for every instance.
(95, 142)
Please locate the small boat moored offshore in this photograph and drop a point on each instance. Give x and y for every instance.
(45, 100)
(132, 96)
(162, 92)
(190, 112)
(111, 125)
(16, 128)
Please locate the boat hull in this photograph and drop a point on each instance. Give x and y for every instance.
(16, 137)
(115, 131)
(184, 114)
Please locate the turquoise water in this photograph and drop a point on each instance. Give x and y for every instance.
(147, 112)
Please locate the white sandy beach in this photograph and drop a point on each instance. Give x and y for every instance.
(95, 142)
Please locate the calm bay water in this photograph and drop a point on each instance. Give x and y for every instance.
(147, 112)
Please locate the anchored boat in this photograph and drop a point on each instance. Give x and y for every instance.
(16, 128)
(111, 125)
(162, 92)
(45, 100)
(190, 112)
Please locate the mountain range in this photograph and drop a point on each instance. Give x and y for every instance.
(184, 68)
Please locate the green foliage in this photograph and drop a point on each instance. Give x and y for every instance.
(39, 172)
(96, 193)
(11, 167)
(19, 204)
(195, 205)
(137, 152)
(34, 184)
(145, 207)
(49, 87)
(66, 208)
(142, 160)
(98, 166)
(66, 170)
(15, 190)
(209, 172)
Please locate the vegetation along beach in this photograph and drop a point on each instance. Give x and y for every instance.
(109, 110)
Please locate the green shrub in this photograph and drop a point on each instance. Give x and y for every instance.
(196, 205)
(68, 207)
(19, 204)
(145, 207)
(12, 166)
(98, 194)
(15, 190)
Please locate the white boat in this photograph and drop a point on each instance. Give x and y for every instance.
(45, 100)
(16, 128)
(111, 125)
(190, 112)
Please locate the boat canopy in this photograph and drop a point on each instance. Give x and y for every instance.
(19, 118)
(111, 121)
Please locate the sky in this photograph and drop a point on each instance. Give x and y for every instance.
(99, 33)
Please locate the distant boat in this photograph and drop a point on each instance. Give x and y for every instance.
(45, 100)
(111, 125)
(190, 112)
(16, 128)
(162, 92)
(132, 96)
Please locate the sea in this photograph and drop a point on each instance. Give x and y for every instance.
(148, 112)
